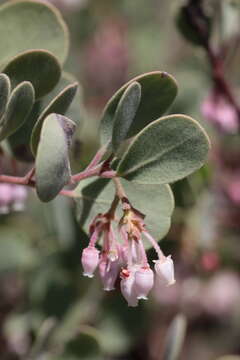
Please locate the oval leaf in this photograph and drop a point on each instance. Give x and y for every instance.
(159, 89)
(94, 196)
(39, 67)
(52, 163)
(18, 108)
(74, 110)
(165, 151)
(125, 113)
(20, 141)
(5, 88)
(28, 25)
(58, 105)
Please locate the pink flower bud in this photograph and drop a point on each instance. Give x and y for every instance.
(143, 282)
(90, 260)
(108, 271)
(127, 287)
(165, 270)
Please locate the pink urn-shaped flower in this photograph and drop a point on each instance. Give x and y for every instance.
(90, 260)
(144, 279)
(165, 270)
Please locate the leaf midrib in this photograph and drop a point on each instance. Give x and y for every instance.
(155, 158)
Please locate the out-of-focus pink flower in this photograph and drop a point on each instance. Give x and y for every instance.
(209, 261)
(6, 198)
(19, 194)
(222, 294)
(217, 110)
(233, 190)
(12, 197)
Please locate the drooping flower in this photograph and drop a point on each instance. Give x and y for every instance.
(144, 278)
(165, 270)
(109, 272)
(90, 260)
(128, 286)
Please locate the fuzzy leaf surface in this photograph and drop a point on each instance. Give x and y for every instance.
(125, 113)
(28, 25)
(40, 67)
(52, 163)
(5, 88)
(58, 105)
(94, 196)
(18, 108)
(167, 150)
(159, 90)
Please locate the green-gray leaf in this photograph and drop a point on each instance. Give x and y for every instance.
(5, 88)
(52, 163)
(74, 110)
(40, 67)
(125, 113)
(58, 105)
(28, 25)
(159, 89)
(94, 196)
(167, 150)
(18, 108)
(20, 140)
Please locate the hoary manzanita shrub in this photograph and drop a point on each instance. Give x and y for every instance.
(123, 197)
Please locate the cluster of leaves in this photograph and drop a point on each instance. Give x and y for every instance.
(34, 88)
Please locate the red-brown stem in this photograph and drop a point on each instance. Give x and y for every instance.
(98, 157)
(120, 193)
(13, 180)
(27, 180)
(86, 174)
(68, 193)
(219, 79)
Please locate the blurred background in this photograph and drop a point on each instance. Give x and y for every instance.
(47, 309)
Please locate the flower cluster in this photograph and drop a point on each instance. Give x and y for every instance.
(12, 197)
(123, 255)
